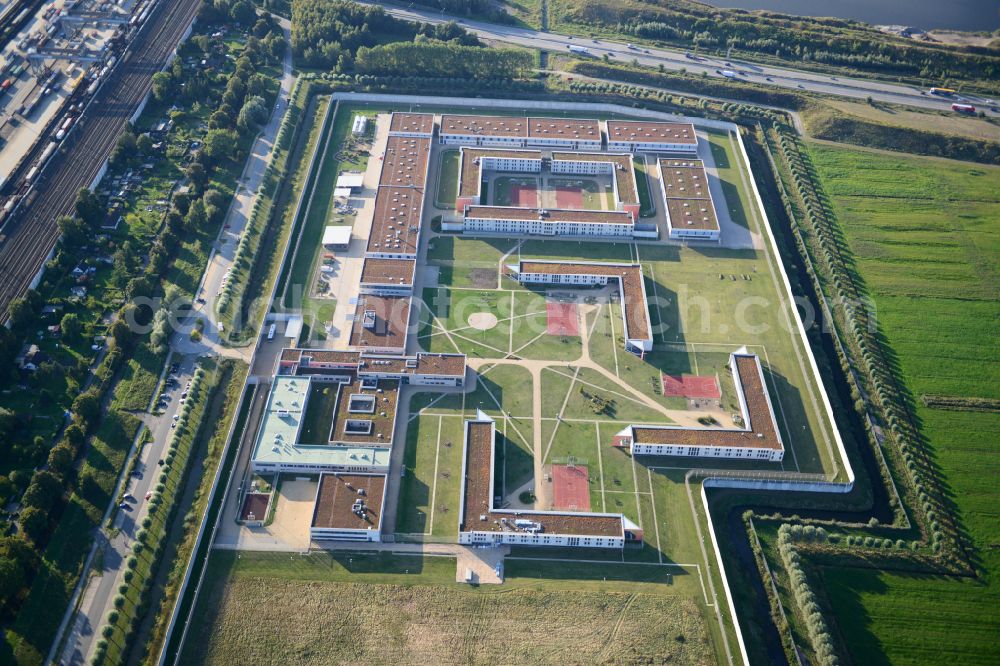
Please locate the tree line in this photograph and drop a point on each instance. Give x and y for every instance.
(443, 59)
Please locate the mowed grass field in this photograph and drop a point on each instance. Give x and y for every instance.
(926, 238)
(263, 608)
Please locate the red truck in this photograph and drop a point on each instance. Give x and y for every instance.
(963, 108)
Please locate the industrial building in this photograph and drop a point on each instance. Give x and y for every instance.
(757, 439)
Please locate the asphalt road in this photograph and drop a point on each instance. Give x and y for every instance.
(763, 74)
(101, 591)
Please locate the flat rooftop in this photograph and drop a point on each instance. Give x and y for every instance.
(396, 221)
(641, 131)
(624, 171)
(471, 169)
(365, 415)
(337, 496)
(578, 129)
(366, 364)
(506, 126)
(630, 279)
(388, 271)
(415, 123)
(381, 322)
(425, 363)
(760, 432)
(404, 163)
(478, 514)
(551, 215)
(692, 214)
(280, 428)
(684, 182)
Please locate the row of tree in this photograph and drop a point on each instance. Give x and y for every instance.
(443, 59)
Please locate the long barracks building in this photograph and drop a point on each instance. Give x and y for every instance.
(758, 439)
(631, 289)
(480, 523)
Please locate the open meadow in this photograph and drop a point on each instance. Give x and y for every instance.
(362, 608)
(925, 234)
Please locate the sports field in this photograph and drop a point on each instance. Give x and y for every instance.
(349, 608)
(519, 191)
(925, 234)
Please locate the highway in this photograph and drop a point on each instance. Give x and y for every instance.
(674, 60)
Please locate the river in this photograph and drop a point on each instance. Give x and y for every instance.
(972, 15)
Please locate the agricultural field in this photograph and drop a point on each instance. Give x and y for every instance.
(387, 609)
(924, 233)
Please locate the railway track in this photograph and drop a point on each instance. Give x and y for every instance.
(31, 235)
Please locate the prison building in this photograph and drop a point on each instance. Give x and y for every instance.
(381, 323)
(621, 167)
(687, 200)
(422, 369)
(515, 132)
(387, 277)
(395, 230)
(279, 446)
(567, 133)
(473, 161)
(479, 522)
(413, 125)
(510, 220)
(631, 289)
(348, 507)
(633, 136)
(405, 162)
(757, 439)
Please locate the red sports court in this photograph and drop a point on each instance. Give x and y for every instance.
(569, 197)
(524, 196)
(690, 386)
(570, 488)
(562, 319)
(254, 506)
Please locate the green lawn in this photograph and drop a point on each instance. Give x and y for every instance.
(503, 186)
(429, 495)
(447, 175)
(925, 235)
(646, 207)
(317, 420)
